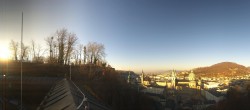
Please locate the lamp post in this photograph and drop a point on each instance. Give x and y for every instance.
(21, 65)
(70, 68)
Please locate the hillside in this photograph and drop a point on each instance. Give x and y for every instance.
(106, 87)
(224, 69)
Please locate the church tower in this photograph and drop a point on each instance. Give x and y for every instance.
(142, 77)
(191, 76)
(173, 78)
(192, 81)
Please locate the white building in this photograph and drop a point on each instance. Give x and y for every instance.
(209, 85)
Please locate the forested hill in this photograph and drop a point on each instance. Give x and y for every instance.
(223, 69)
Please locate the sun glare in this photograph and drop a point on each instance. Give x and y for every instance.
(4, 53)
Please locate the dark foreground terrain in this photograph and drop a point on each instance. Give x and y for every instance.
(101, 82)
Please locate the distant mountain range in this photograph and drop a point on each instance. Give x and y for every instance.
(224, 69)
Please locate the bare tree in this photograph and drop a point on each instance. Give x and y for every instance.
(55, 51)
(61, 40)
(77, 53)
(25, 51)
(96, 52)
(37, 52)
(80, 48)
(71, 41)
(50, 42)
(61, 47)
(100, 54)
(84, 54)
(75, 56)
(14, 48)
(33, 46)
(91, 47)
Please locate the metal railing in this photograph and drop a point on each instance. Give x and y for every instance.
(83, 100)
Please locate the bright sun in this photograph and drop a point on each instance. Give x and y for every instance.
(4, 53)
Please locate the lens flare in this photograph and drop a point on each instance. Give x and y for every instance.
(4, 53)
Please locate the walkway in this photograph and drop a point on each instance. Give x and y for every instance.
(65, 95)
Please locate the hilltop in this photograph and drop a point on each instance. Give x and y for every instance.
(223, 69)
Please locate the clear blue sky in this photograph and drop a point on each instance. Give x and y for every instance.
(140, 34)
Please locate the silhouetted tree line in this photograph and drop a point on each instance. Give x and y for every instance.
(61, 48)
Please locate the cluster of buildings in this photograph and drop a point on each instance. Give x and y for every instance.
(186, 91)
(171, 82)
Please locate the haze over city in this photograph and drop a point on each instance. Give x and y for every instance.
(142, 34)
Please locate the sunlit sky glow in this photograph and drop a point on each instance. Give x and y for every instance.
(5, 53)
(140, 34)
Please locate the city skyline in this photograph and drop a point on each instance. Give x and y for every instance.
(139, 35)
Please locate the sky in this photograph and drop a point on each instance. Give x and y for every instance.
(153, 35)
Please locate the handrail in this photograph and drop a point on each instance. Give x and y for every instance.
(84, 98)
